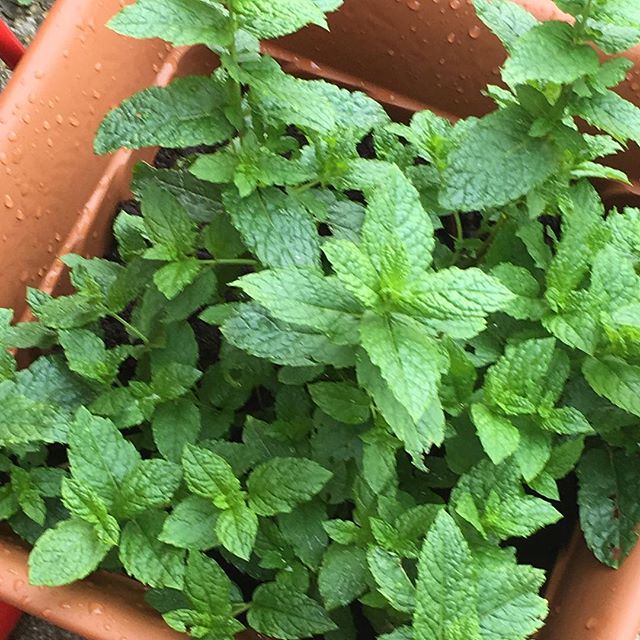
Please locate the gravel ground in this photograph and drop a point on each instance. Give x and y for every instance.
(24, 20)
(34, 629)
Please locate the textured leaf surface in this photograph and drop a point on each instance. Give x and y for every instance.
(342, 401)
(609, 510)
(147, 559)
(180, 22)
(517, 164)
(277, 228)
(280, 484)
(615, 380)
(66, 553)
(446, 591)
(188, 112)
(281, 612)
(343, 575)
(392, 579)
(408, 358)
(547, 53)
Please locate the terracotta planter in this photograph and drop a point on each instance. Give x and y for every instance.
(57, 197)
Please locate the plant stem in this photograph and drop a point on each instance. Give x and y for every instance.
(304, 187)
(130, 328)
(237, 262)
(240, 609)
(459, 237)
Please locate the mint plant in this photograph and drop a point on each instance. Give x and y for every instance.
(319, 393)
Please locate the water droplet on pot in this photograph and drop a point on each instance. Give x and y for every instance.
(474, 32)
(451, 38)
(455, 4)
(98, 67)
(591, 623)
(46, 613)
(391, 52)
(8, 201)
(20, 584)
(12, 136)
(39, 74)
(73, 121)
(20, 215)
(414, 5)
(96, 609)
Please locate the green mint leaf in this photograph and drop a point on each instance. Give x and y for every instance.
(68, 552)
(306, 298)
(88, 356)
(583, 235)
(547, 53)
(284, 613)
(566, 421)
(418, 436)
(392, 579)
(446, 591)
(508, 602)
(342, 401)
(276, 227)
(343, 575)
(150, 484)
(506, 19)
(251, 329)
(187, 112)
(84, 503)
(175, 424)
(146, 558)
(236, 529)
(181, 22)
(616, 380)
(409, 359)
(494, 498)
(207, 585)
(529, 378)
(342, 531)
(518, 162)
(167, 222)
(173, 278)
(280, 484)
(608, 507)
(395, 213)
(99, 455)
(266, 19)
(191, 525)
(613, 114)
(379, 458)
(354, 270)
(499, 437)
(455, 301)
(210, 476)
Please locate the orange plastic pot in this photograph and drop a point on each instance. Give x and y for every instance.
(57, 197)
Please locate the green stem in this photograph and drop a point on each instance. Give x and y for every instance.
(304, 187)
(581, 22)
(130, 328)
(236, 262)
(240, 609)
(459, 237)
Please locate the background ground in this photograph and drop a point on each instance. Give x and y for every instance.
(24, 21)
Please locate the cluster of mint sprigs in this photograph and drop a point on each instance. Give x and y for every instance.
(316, 389)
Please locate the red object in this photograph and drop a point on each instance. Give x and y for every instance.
(11, 50)
(8, 620)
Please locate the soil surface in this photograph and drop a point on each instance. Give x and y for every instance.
(34, 629)
(24, 20)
